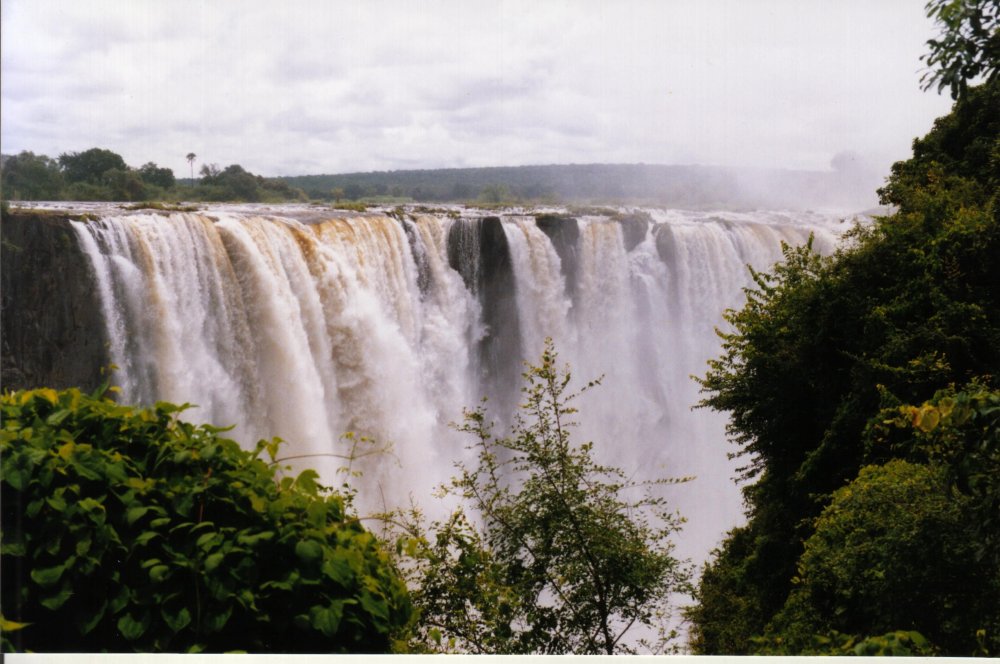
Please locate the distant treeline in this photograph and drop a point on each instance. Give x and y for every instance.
(674, 186)
(101, 175)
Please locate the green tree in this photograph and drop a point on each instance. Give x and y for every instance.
(90, 165)
(30, 177)
(190, 160)
(893, 550)
(563, 555)
(155, 175)
(124, 185)
(969, 44)
(129, 529)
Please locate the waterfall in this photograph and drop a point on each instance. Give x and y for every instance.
(292, 324)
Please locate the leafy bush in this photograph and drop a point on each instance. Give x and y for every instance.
(893, 550)
(129, 529)
(564, 555)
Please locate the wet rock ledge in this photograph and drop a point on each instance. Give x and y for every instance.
(51, 326)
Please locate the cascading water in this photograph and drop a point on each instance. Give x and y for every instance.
(306, 328)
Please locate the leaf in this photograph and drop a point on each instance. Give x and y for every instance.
(66, 451)
(176, 618)
(158, 573)
(375, 606)
(307, 481)
(135, 513)
(339, 570)
(327, 618)
(215, 622)
(48, 576)
(257, 503)
(53, 602)
(131, 628)
(47, 393)
(206, 540)
(213, 561)
(10, 625)
(309, 551)
(87, 621)
(56, 418)
(145, 537)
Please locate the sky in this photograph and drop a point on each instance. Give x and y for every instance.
(311, 86)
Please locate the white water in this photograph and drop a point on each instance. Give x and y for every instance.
(307, 330)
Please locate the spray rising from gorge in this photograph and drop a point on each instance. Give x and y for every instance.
(303, 326)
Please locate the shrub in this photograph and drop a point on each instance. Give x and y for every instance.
(128, 529)
(893, 551)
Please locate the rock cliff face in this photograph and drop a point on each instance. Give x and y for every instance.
(53, 332)
(478, 250)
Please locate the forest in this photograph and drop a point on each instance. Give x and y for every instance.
(98, 174)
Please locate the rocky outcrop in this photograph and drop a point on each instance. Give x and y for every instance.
(635, 226)
(564, 233)
(478, 250)
(53, 331)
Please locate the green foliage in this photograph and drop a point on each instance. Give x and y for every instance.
(90, 165)
(727, 608)
(961, 431)
(30, 177)
(102, 175)
(234, 183)
(564, 556)
(893, 549)
(131, 530)
(154, 175)
(898, 643)
(907, 307)
(956, 164)
(969, 44)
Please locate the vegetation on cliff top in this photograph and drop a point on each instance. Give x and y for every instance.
(101, 175)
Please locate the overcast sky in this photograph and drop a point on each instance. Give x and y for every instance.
(311, 86)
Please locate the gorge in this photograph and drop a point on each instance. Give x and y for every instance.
(307, 323)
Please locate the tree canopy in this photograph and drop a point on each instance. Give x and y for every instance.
(968, 45)
(99, 174)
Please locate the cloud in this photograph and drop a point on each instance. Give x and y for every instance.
(309, 86)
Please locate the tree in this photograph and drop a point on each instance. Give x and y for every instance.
(969, 44)
(894, 549)
(90, 165)
(31, 177)
(190, 159)
(209, 172)
(160, 177)
(128, 529)
(562, 555)
(124, 184)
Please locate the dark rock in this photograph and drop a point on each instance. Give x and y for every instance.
(564, 233)
(53, 332)
(478, 250)
(635, 225)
